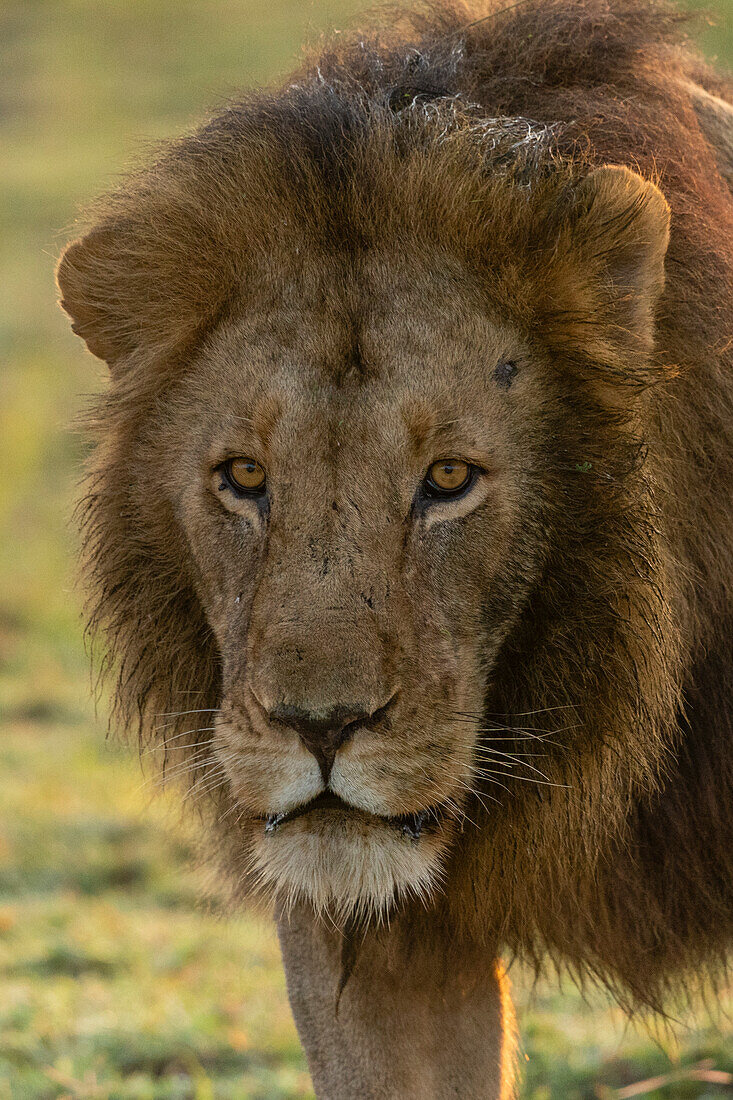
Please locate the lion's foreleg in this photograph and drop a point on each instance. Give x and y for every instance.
(413, 1020)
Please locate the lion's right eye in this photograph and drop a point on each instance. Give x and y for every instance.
(244, 475)
(448, 477)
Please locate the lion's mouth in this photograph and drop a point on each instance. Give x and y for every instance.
(411, 825)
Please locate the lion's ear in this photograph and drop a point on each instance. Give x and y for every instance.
(128, 286)
(90, 296)
(622, 229)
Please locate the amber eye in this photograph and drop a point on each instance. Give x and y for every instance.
(448, 476)
(245, 474)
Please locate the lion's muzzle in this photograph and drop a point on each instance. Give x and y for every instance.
(324, 732)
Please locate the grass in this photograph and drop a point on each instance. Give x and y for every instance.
(116, 981)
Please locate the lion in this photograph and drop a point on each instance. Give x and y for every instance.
(409, 527)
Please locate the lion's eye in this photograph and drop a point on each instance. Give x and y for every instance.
(448, 477)
(245, 475)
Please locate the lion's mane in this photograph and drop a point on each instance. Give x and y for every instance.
(621, 864)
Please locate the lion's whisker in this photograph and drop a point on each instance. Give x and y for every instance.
(518, 760)
(471, 789)
(529, 779)
(169, 740)
(177, 772)
(181, 713)
(187, 766)
(481, 774)
(219, 779)
(513, 714)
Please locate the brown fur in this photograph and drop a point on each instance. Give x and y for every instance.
(383, 232)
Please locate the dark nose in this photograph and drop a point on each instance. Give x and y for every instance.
(322, 734)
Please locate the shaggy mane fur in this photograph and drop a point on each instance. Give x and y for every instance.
(623, 664)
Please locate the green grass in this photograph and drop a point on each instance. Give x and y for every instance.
(117, 982)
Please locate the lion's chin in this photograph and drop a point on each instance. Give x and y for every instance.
(346, 862)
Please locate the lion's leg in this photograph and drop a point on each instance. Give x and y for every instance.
(411, 1022)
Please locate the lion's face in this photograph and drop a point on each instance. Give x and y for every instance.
(347, 590)
(366, 485)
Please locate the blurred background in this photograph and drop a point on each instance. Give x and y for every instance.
(115, 980)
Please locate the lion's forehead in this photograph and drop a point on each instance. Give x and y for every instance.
(372, 356)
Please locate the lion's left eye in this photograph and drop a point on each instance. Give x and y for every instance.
(245, 475)
(448, 477)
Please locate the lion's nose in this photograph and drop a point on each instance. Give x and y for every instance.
(323, 734)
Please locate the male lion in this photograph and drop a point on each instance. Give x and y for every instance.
(411, 510)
